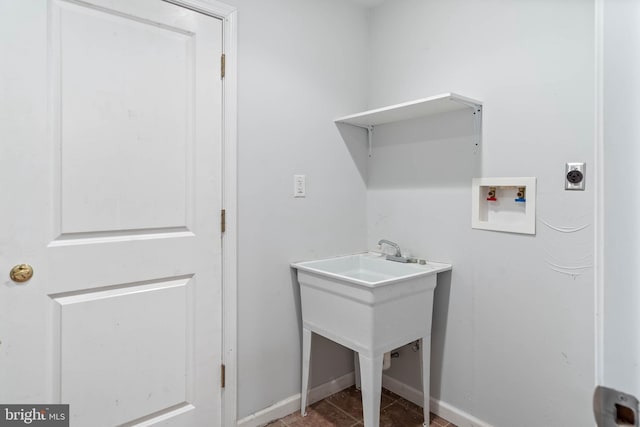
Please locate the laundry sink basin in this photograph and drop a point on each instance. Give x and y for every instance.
(369, 269)
(366, 302)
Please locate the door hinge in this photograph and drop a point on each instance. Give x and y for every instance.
(222, 66)
(223, 220)
(222, 375)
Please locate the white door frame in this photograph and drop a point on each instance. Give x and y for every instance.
(228, 15)
(599, 196)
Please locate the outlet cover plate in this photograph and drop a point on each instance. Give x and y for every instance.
(574, 176)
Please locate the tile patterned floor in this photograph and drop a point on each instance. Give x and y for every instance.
(344, 409)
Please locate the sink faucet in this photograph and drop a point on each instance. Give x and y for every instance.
(398, 255)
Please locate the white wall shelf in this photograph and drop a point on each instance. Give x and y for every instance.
(444, 103)
(411, 110)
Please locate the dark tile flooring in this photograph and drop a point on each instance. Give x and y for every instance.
(344, 409)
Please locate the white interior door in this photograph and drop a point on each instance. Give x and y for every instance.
(110, 168)
(616, 401)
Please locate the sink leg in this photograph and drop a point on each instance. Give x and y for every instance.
(371, 378)
(306, 360)
(356, 366)
(425, 367)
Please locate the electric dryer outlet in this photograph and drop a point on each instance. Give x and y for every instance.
(574, 176)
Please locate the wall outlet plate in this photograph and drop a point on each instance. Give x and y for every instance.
(574, 176)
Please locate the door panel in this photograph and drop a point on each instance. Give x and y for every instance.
(131, 81)
(102, 332)
(110, 122)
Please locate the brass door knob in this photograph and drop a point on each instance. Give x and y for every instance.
(21, 273)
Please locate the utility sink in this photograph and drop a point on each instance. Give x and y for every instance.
(369, 269)
(370, 305)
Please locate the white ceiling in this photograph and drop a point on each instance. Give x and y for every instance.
(369, 3)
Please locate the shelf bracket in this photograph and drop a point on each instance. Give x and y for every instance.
(370, 138)
(477, 127)
(477, 122)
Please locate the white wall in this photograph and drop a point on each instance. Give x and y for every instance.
(300, 64)
(621, 103)
(513, 328)
(513, 337)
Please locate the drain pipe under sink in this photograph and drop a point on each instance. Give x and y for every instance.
(386, 362)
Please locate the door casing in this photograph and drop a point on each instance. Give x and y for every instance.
(229, 16)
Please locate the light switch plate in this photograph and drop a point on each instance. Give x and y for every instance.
(299, 186)
(574, 176)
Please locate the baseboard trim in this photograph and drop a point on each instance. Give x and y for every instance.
(292, 404)
(438, 407)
